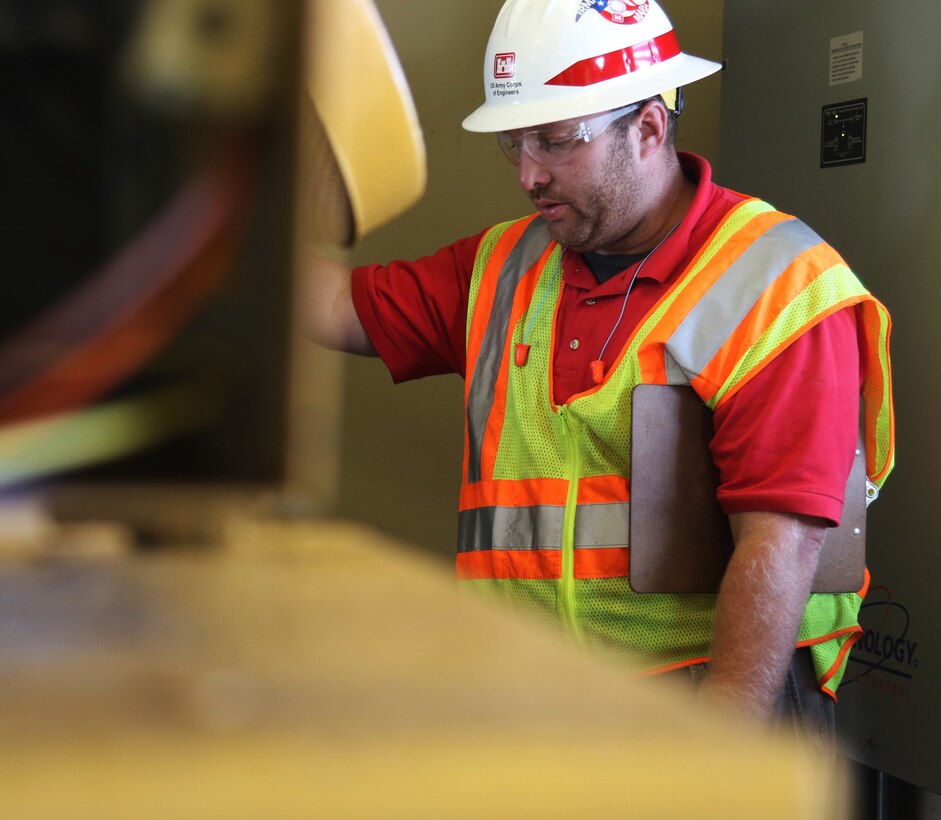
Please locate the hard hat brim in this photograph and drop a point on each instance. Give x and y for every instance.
(383, 177)
(603, 96)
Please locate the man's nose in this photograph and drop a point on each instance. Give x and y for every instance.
(531, 173)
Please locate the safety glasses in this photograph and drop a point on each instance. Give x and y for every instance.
(554, 144)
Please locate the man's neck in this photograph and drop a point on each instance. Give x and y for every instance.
(672, 195)
(674, 201)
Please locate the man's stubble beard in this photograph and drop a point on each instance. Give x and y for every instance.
(601, 214)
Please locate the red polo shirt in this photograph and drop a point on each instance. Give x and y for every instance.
(783, 443)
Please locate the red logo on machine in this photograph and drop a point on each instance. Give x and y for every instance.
(622, 12)
(504, 65)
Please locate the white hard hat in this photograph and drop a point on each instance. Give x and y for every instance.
(549, 60)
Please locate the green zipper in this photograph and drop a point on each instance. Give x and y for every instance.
(567, 605)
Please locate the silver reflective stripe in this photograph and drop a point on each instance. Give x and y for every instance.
(708, 325)
(525, 254)
(675, 373)
(540, 527)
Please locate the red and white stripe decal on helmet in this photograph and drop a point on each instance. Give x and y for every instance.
(618, 63)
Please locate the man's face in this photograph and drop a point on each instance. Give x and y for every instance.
(591, 200)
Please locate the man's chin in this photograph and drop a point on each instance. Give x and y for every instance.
(565, 236)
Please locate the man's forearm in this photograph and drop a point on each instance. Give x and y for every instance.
(759, 609)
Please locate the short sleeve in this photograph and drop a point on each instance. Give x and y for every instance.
(415, 312)
(786, 441)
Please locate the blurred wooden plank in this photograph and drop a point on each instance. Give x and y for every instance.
(321, 670)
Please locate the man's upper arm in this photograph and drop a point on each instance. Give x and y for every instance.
(786, 441)
(415, 312)
(328, 315)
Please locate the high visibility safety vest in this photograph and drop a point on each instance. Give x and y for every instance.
(544, 509)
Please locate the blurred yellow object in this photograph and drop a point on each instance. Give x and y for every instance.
(216, 58)
(361, 97)
(319, 670)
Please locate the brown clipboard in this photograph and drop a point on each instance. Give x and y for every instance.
(680, 541)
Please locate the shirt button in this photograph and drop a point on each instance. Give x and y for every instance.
(574, 344)
(590, 301)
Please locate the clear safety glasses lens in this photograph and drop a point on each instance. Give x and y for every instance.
(554, 146)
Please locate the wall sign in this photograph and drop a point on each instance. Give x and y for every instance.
(843, 133)
(846, 58)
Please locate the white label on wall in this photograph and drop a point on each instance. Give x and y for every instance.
(846, 58)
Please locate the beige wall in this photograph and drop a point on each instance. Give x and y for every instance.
(400, 446)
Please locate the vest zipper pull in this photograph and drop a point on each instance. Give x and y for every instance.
(521, 354)
(597, 371)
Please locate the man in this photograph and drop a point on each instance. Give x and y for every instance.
(636, 268)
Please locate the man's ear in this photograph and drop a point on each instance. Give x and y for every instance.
(652, 123)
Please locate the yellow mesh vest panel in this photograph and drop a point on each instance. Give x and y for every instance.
(830, 287)
(533, 450)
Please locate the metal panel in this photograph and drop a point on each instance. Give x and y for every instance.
(883, 216)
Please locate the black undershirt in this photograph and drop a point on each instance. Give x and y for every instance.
(606, 266)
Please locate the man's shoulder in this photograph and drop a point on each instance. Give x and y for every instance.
(717, 203)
